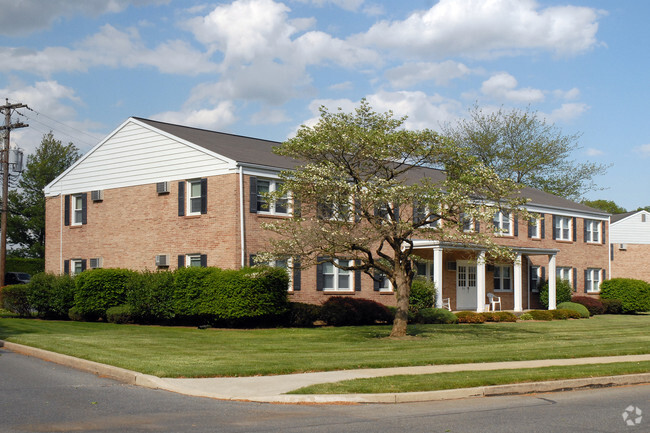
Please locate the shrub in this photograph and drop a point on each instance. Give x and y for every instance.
(97, 290)
(74, 314)
(423, 292)
(575, 307)
(435, 315)
(51, 295)
(302, 315)
(526, 316)
(594, 305)
(541, 314)
(469, 317)
(572, 314)
(120, 314)
(190, 286)
(28, 265)
(345, 311)
(15, 298)
(559, 314)
(633, 294)
(151, 296)
(505, 316)
(563, 292)
(612, 306)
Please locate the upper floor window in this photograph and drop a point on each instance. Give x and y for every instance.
(468, 223)
(503, 223)
(592, 280)
(260, 203)
(592, 231)
(335, 211)
(562, 228)
(75, 209)
(423, 214)
(502, 278)
(535, 228)
(193, 197)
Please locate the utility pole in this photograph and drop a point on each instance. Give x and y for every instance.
(8, 126)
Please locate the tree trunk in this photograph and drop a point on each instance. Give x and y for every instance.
(403, 290)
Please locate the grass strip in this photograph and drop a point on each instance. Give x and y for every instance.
(469, 379)
(190, 352)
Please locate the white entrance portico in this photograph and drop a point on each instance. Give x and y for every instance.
(470, 285)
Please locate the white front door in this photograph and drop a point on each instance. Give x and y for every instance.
(465, 286)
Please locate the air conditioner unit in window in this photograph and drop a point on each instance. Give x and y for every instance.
(96, 263)
(162, 187)
(162, 260)
(622, 246)
(97, 195)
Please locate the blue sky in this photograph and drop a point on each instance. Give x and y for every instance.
(262, 68)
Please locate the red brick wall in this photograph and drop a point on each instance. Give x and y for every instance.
(633, 262)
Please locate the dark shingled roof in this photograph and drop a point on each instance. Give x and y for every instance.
(619, 216)
(257, 151)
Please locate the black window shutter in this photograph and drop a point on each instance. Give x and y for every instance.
(586, 274)
(84, 208)
(611, 252)
(181, 198)
(296, 275)
(376, 282)
(584, 229)
(181, 261)
(543, 272)
(555, 229)
(543, 228)
(204, 196)
(253, 194)
(251, 260)
(66, 217)
(83, 265)
(575, 279)
(357, 277)
(602, 234)
(604, 274)
(575, 229)
(516, 226)
(66, 267)
(477, 227)
(319, 274)
(204, 260)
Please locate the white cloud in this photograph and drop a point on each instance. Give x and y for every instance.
(26, 16)
(568, 94)
(594, 152)
(503, 86)
(215, 118)
(567, 112)
(346, 85)
(350, 5)
(487, 28)
(644, 150)
(269, 116)
(411, 74)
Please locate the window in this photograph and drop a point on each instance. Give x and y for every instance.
(74, 266)
(468, 223)
(382, 283)
(336, 279)
(592, 280)
(564, 273)
(562, 228)
(335, 211)
(502, 278)
(422, 213)
(286, 264)
(262, 204)
(535, 274)
(535, 228)
(193, 197)
(192, 260)
(592, 231)
(503, 223)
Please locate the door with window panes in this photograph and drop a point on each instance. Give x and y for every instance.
(465, 285)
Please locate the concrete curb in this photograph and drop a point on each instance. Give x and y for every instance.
(154, 382)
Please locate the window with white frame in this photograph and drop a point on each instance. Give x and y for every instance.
(467, 222)
(286, 264)
(503, 223)
(535, 228)
(264, 205)
(77, 209)
(335, 211)
(76, 266)
(384, 284)
(194, 197)
(193, 260)
(535, 277)
(502, 278)
(564, 273)
(423, 214)
(562, 229)
(592, 231)
(337, 279)
(592, 280)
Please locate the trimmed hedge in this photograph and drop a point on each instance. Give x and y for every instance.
(27, 265)
(302, 315)
(470, 317)
(422, 294)
(345, 311)
(51, 295)
(15, 299)
(151, 296)
(612, 306)
(541, 314)
(594, 305)
(97, 290)
(499, 316)
(581, 309)
(120, 314)
(435, 316)
(633, 294)
(563, 292)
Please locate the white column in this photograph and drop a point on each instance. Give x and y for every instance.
(480, 282)
(551, 283)
(518, 283)
(437, 274)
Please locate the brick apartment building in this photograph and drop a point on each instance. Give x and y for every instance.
(154, 195)
(630, 245)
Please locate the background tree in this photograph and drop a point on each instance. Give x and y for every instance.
(521, 146)
(605, 205)
(26, 221)
(360, 177)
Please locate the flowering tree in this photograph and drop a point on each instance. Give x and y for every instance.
(365, 189)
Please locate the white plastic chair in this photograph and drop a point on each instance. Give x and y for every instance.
(446, 304)
(494, 300)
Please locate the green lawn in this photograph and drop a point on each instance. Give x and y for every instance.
(190, 352)
(469, 379)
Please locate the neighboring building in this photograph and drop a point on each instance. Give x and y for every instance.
(630, 245)
(154, 195)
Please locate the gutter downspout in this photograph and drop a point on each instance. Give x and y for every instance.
(242, 228)
(61, 222)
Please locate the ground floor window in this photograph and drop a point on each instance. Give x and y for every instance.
(592, 280)
(502, 278)
(535, 273)
(337, 279)
(564, 273)
(77, 266)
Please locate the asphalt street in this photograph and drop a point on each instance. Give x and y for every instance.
(38, 396)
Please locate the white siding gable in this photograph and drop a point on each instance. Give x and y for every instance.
(137, 154)
(631, 230)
